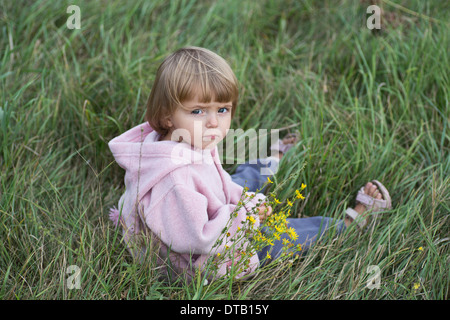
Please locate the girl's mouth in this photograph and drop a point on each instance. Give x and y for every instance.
(209, 138)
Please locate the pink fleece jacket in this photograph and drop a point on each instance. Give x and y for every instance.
(184, 198)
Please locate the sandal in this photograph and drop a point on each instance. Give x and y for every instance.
(372, 204)
(280, 146)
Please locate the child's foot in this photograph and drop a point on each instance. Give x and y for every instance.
(282, 146)
(370, 197)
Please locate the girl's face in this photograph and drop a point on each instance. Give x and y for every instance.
(203, 125)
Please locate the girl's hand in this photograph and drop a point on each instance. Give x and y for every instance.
(264, 211)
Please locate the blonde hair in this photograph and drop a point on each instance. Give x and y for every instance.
(181, 76)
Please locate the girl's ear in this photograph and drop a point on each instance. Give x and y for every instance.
(167, 122)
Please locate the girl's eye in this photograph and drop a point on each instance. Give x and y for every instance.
(199, 111)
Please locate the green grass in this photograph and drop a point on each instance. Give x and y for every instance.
(369, 104)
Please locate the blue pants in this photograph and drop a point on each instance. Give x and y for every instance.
(254, 175)
(309, 230)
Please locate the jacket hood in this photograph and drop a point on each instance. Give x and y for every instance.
(141, 142)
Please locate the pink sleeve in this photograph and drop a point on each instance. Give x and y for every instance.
(182, 221)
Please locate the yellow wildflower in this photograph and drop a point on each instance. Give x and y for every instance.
(268, 180)
(292, 234)
(260, 237)
(303, 186)
(218, 254)
(289, 203)
(285, 241)
(276, 201)
(251, 219)
(420, 249)
(416, 286)
(268, 256)
(299, 195)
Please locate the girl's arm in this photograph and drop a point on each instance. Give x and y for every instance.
(182, 221)
(263, 212)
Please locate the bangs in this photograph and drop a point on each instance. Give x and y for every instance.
(207, 87)
(198, 75)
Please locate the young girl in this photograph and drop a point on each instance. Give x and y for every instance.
(176, 189)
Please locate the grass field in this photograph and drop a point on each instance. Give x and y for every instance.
(368, 103)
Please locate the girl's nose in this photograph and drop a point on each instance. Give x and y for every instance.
(212, 121)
